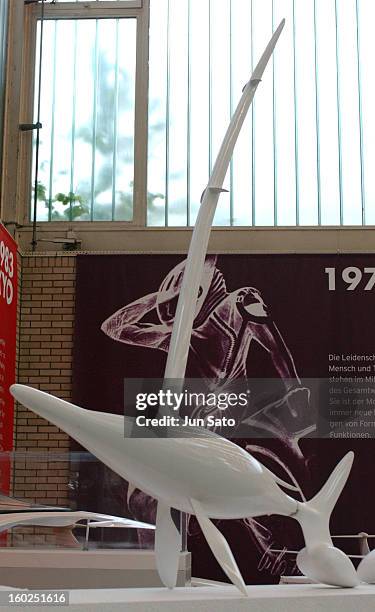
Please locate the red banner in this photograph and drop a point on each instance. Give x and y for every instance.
(8, 326)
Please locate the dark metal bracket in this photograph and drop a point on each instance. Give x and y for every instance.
(28, 127)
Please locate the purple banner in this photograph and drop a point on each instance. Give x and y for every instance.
(282, 317)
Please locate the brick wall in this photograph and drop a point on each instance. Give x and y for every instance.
(45, 338)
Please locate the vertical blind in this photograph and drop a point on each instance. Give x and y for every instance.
(307, 151)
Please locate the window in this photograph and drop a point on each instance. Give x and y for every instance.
(86, 169)
(307, 151)
(305, 154)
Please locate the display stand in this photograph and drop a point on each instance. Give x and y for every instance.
(280, 598)
(77, 569)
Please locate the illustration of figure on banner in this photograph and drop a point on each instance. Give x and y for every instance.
(226, 325)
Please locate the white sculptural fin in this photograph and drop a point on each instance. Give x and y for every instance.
(167, 546)
(279, 481)
(184, 317)
(219, 547)
(325, 501)
(320, 560)
(314, 515)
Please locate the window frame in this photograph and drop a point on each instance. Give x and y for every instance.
(136, 9)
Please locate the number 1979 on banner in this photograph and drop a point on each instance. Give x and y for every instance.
(352, 276)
